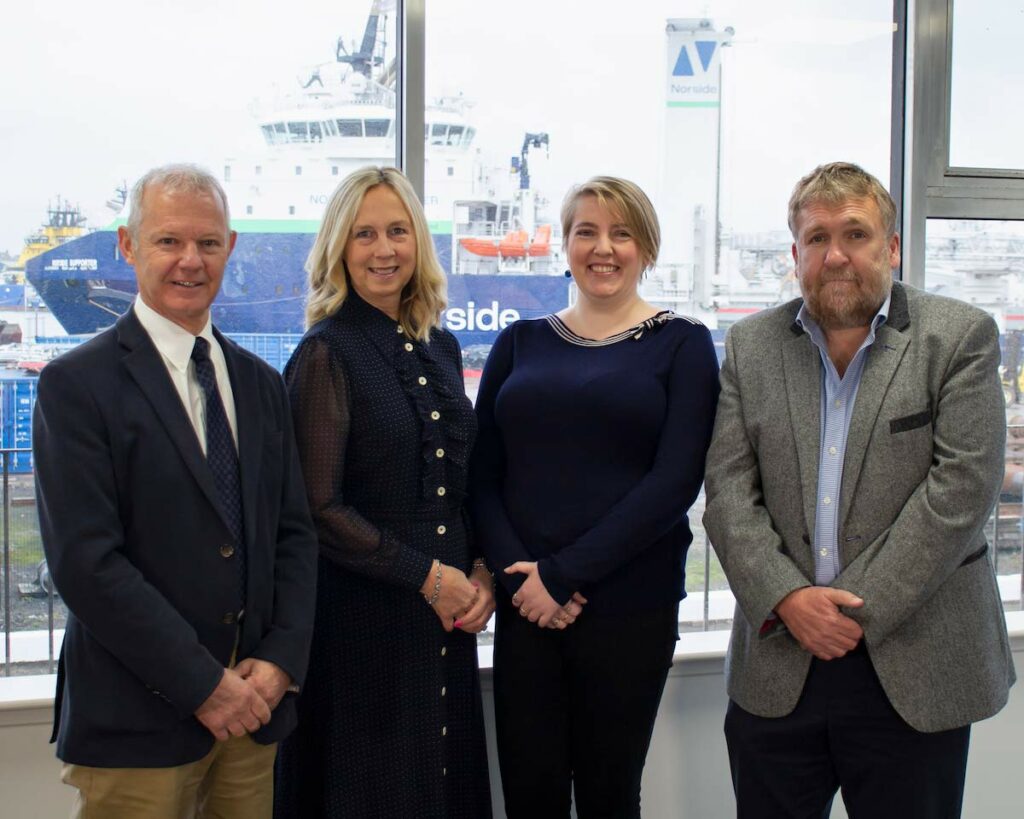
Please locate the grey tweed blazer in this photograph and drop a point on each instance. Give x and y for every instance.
(924, 460)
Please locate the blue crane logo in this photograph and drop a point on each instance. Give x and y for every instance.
(705, 51)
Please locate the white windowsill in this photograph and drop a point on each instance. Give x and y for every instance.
(697, 653)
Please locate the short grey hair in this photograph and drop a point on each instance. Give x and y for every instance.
(179, 178)
(836, 182)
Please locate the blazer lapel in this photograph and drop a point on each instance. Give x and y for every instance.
(801, 366)
(149, 372)
(884, 357)
(242, 373)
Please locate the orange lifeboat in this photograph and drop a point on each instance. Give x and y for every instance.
(481, 247)
(541, 244)
(513, 246)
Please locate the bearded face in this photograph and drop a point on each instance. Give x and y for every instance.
(844, 262)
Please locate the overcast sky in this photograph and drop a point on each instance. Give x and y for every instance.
(95, 93)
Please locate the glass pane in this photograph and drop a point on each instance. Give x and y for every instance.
(986, 118)
(779, 87)
(982, 262)
(85, 116)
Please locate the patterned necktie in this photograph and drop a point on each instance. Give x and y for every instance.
(221, 455)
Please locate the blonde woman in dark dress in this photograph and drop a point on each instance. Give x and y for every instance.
(390, 720)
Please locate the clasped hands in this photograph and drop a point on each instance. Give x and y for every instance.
(537, 605)
(814, 618)
(464, 603)
(244, 698)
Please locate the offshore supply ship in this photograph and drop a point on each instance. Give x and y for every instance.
(488, 226)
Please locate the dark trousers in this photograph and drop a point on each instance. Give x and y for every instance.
(844, 734)
(577, 707)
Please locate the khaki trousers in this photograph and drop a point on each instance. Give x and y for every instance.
(234, 781)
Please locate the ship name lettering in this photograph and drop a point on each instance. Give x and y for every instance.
(484, 318)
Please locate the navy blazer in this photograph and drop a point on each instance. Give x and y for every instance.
(133, 534)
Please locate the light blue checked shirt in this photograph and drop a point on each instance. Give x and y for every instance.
(837, 399)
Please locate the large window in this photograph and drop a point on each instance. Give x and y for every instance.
(714, 108)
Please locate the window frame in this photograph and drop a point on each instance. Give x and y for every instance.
(935, 188)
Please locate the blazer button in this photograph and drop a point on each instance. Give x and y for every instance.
(229, 618)
(227, 550)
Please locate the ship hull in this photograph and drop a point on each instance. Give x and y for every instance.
(87, 284)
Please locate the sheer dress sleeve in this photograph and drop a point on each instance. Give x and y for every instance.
(321, 406)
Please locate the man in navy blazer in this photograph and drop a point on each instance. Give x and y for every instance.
(190, 604)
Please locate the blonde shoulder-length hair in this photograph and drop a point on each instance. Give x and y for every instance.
(423, 298)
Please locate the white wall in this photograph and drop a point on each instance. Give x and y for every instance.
(687, 775)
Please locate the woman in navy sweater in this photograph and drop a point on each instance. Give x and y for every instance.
(594, 424)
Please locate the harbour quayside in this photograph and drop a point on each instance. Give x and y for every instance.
(496, 236)
(502, 260)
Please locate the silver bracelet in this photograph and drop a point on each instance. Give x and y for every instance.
(432, 600)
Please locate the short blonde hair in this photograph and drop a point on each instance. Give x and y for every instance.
(628, 202)
(834, 184)
(423, 298)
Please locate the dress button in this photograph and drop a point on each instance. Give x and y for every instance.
(442, 529)
(444, 730)
(227, 550)
(435, 415)
(439, 453)
(832, 450)
(422, 381)
(444, 690)
(408, 347)
(440, 491)
(826, 500)
(399, 329)
(229, 618)
(824, 552)
(444, 650)
(444, 772)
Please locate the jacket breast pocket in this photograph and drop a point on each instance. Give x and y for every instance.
(910, 443)
(910, 422)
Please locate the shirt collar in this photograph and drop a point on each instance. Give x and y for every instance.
(813, 329)
(173, 341)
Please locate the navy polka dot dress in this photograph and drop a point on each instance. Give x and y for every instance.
(390, 719)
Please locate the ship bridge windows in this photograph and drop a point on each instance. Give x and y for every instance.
(438, 132)
(350, 127)
(298, 132)
(377, 127)
(315, 134)
(329, 128)
(455, 134)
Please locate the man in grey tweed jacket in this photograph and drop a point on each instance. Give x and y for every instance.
(857, 453)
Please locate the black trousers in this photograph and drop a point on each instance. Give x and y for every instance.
(577, 708)
(844, 734)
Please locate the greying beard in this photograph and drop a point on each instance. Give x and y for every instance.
(857, 310)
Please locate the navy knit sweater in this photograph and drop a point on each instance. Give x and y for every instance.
(589, 455)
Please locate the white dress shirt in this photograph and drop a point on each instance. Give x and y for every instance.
(175, 343)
